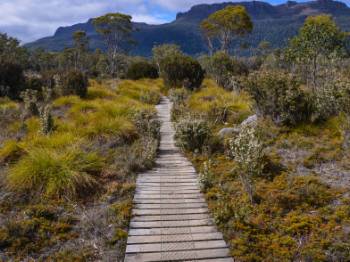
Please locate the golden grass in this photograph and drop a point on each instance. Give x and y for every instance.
(213, 101)
(6, 104)
(63, 163)
(145, 90)
(10, 151)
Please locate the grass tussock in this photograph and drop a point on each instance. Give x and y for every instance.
(55, 173)
(67, 162)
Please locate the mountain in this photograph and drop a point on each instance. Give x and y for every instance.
(273, 23)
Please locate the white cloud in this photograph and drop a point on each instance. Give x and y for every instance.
(32, 19)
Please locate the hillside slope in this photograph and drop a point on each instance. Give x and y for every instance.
(275, 24)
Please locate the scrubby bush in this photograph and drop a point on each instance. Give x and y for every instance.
(142, 69)
(12, 81)
(330, 99)
(178, 96)
(34, 83)
(182, 71)
(192, 134)
(30, 101)
(247, 151)
(148, 125)
(279, 96)
(225, 70)
(74, 83)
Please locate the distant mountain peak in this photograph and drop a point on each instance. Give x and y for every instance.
(273, 23)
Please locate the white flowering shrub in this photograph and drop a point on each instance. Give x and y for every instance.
(206, 177)
(248, 151)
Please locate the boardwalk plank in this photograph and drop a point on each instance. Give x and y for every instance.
(171, 221)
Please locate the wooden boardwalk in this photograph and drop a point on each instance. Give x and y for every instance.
(171, 220)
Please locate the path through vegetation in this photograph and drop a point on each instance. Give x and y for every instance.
(171, 220)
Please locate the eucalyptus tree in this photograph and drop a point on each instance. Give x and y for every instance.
(116, 29)
(225, 25)
(162, 52)
(81, 46)
(319, 38)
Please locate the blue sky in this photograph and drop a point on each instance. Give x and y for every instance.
(31, 19)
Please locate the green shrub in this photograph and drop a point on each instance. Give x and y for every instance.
(192, 134)
(279, 96)
(225, 70)
(55, 173)
(12, 81)
(74, 83)
(182, 71)
(330, 99)
(142, 69)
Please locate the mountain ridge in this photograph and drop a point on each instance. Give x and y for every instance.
(273, 23)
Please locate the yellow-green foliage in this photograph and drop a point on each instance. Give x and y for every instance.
(55, 173)
(6, 104)
(218, 104)
(10, 151)
(56, 164)
(109, 113)
(146, 90)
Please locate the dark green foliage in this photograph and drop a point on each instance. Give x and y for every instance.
(11, 52)
(279, 96)
(34, 83)
(142, 69)
(75, 83)
(182, 71)
(11, 80)
(48, 78)
(30, 101)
